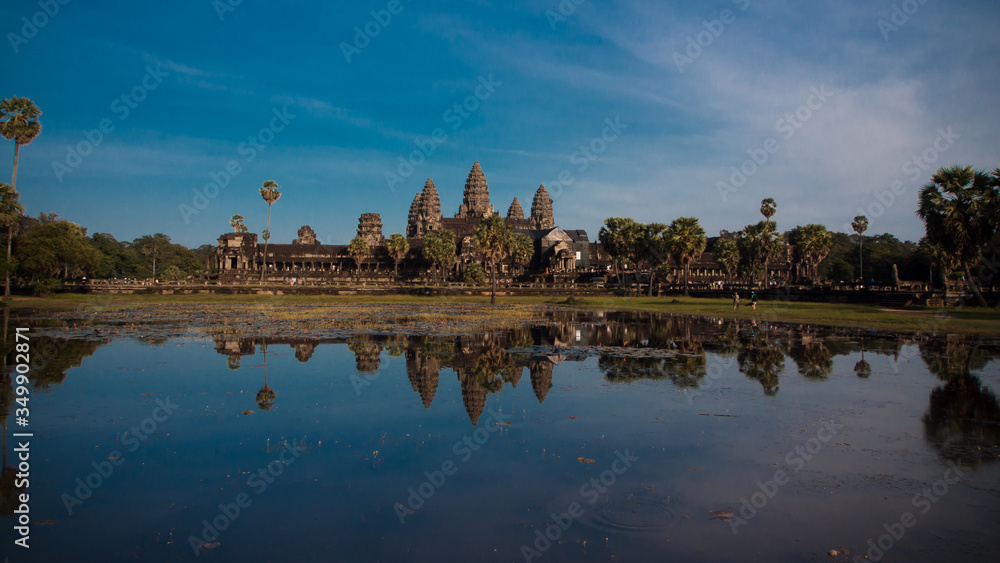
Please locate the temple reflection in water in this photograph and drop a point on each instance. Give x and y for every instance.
(962, 416)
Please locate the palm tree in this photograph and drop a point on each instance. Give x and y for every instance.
(814, 243)
(11, 211)
(768, 207)
(727, 254)
(686, 241)
(269, 191)
(959, 210)
(19, 123)
(860, 225)
(493, 239)
(651, 248)
(238, 224)
(814, 360)
(398, 246)
(757, 244)
(439, 248)
(358, 249)
(522, 248)
(619, 236)
(935, 256)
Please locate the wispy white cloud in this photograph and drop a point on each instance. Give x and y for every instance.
(321, 109)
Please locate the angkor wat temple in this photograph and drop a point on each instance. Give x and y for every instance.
(560, 255)
(239, 256)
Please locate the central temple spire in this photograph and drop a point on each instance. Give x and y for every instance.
(476, 200)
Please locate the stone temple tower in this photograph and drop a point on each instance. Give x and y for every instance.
(370, 229)
(514, 212)
(412, 222)
(476, 201)
(425, 212)
(541, 211)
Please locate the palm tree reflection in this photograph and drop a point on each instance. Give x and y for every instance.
(762, 360)
(266, 395)
(962, 421)
(813, 359)
(863, 369)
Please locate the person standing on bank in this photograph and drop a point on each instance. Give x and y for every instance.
(736, 300)
(753, 300)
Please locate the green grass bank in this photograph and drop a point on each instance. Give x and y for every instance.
(964, 320)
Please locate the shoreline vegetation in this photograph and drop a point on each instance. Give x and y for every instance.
(959, 320)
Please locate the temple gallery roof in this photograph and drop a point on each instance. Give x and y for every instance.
(307, 253)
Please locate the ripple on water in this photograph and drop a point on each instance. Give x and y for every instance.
(641, 511)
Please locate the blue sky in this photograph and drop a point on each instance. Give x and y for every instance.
(823, 108)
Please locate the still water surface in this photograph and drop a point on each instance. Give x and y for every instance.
(581, 437)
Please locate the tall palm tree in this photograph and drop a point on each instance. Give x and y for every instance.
(439, 249)
(814, 243)
(959, 210)
(269, 191)
(19, 123)
(522, 248)
(619, 236)
(768, 207)
(994, 184)
(652, 249)
(727, 254)
(493, 238)
(757, 244)
(937, 257)
(358, 249)
(860, 225)
(397, 246)
(11, 211)
(686, 241)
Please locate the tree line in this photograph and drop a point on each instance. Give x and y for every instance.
(48, 250)
(960, 209)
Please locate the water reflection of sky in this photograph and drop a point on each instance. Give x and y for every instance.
(526, 419)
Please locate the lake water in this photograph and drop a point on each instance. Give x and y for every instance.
(576, 437)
